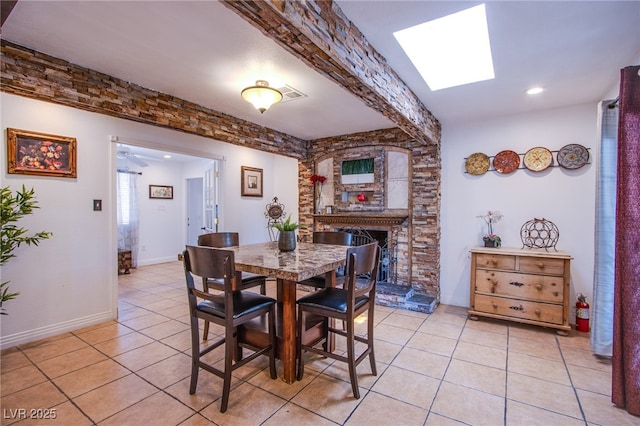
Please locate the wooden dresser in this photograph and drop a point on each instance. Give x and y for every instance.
(523, 285)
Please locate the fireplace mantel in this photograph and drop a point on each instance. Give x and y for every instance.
(362, 218)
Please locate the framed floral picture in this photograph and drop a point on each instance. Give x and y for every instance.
(32, 153)
(251, 181)
(161, 191)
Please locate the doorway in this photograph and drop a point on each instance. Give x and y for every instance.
(183, 214)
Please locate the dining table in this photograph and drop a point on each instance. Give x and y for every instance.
(289, 267)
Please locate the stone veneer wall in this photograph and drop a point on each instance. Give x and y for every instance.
(419, 238)
(29, 73)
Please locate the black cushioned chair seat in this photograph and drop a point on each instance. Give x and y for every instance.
(243, 303)
(331, 298)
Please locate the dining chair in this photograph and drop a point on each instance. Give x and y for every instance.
(327, 237)
(249, 280)
(355, 298)
(230, 310)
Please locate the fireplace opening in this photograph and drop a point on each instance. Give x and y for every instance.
(386, 271)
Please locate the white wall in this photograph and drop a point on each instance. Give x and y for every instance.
(567, 198)
(70, 281)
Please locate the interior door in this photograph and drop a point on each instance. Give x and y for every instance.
(195, 209)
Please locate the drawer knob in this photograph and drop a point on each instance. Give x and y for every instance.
(495, 305)
(494, 261)
(538, 312)
(494, 282)
(539, 287)
(540, 265)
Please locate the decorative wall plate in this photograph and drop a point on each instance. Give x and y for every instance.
(537, 159)
(506, 161)
(477, 163)
(573, 156)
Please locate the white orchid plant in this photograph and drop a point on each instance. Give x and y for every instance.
(490, 218)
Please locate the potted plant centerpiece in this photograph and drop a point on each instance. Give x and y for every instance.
(490, 239)
(287, 234)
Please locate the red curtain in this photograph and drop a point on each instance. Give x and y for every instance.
(626, 318)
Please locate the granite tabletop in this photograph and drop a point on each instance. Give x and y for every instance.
(306, 261)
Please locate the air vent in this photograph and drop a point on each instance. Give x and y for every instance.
(290, 94)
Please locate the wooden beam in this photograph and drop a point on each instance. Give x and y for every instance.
(319, 34)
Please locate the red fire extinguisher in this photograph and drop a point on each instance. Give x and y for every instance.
(582, 313)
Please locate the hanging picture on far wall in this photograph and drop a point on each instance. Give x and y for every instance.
(161, 191)
(251, 181)
(32, 153)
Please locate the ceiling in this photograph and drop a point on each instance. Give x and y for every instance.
(203, 52)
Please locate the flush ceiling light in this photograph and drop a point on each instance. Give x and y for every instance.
(534, 91)
(452, 50)
(261, 95)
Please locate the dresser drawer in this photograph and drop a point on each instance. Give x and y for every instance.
(536, 287)
(541, 265)
(495, 261)
(535, 311)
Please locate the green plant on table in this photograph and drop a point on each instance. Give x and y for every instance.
(287, 225)
(14, 208)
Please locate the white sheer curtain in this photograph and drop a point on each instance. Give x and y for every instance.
(603, 284)
(128, 214)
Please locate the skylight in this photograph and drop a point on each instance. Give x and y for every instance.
(452, 50)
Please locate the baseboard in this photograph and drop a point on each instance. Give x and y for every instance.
(147, 262)
(53, 329)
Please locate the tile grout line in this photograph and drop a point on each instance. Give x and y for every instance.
(575, 392)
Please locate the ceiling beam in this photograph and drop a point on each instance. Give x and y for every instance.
(319, 34)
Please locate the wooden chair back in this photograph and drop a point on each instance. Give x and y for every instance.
(333, 237)
(219, 239)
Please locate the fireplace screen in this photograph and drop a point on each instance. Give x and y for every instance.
(386, 271)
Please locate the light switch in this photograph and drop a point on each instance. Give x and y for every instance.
(97, 205)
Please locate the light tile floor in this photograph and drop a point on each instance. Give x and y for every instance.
(438, 369)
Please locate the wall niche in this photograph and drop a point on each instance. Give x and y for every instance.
(365, 180)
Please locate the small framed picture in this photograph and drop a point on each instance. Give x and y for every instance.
(161, 191)
(32, 153)
(251, 182)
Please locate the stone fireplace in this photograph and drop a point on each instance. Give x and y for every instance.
(399, 206)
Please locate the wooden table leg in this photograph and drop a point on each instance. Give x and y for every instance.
(287, 299)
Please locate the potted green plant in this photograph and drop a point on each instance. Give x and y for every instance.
(287, 234)
(14, 207)
(492, 240)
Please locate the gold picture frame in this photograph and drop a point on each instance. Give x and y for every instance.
(251, 181)
(41, 154)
